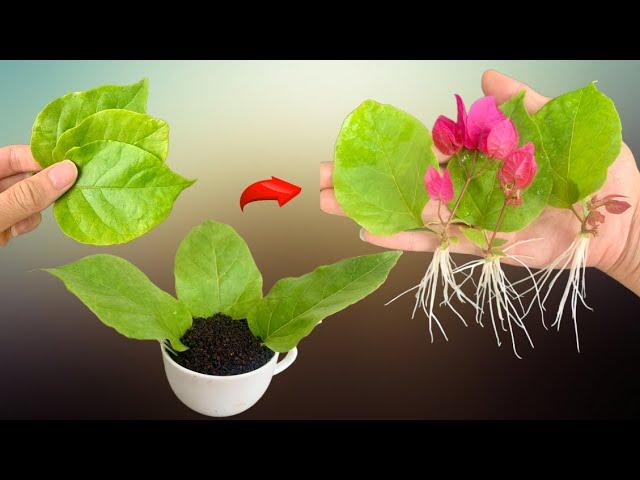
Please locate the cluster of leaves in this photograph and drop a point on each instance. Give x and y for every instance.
(215, 272)
(124, 188)
(382, 154)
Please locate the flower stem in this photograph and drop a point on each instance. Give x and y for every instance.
(498, 225)
(457, 204)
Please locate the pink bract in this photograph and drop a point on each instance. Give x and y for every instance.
(439, 187)
(483, 116)
(445, 137)
(519, 168)
(501, 140)
(448, 136)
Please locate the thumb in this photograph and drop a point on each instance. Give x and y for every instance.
(502, 88)
(35, 193)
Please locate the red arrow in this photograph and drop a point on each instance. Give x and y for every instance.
(274, 189)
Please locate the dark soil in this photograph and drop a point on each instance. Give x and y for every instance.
(222, 346)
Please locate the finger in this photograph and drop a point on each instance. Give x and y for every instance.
(12, 180)
(326, 175)
(17, 159)
(503, 88)
(22, 227)
(35, 193)
(329, 204)
(418, 242)
(27, 225)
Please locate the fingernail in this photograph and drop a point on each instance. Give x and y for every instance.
(62, 174)
(362, 232)
(20, 227)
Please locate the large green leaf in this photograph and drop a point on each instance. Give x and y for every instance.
(481, 204)
(382, 154)
(215, 272)
(294, 306)
(66, 112)
(582, 134)
(139, 129)
(125, 299)
(121, 193)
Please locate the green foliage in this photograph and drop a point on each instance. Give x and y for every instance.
(381, 157)
(215, 272)
(68, 111)
(481, 204)
(122, 192)
(582, 134)
(294, 306)
(123, 298)
(124, 188)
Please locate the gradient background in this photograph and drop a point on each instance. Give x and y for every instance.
(233, 123)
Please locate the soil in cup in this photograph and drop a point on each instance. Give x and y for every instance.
(221, 345)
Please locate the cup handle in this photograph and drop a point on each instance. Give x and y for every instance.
(288, 359)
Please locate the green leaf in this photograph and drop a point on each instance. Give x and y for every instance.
(582, 134)
(498, 242)
(481, 204)
(66, 112)
(125, 299)
(138, 129)
(474, 235)
(294, 306)
(121, 193)
(215, 272)
(382, 154)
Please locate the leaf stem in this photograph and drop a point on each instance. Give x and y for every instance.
(577, 214)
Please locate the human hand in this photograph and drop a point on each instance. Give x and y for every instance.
(24, 195)
(614, 250)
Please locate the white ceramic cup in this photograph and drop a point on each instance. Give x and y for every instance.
(222, 396)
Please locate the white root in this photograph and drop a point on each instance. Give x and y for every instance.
(574, 258)
(504, 301)
(441, 268)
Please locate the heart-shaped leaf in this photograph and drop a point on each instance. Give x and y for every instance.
(121, 193)
(138, 129)
(294, 306)
(215, 272)
(381, 157)
(66, 112)
(125, 299)
(582, 134)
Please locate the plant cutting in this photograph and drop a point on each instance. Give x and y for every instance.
(505, 167)
(582, 134)
(220, 337)
(124, 187)
(386, 172)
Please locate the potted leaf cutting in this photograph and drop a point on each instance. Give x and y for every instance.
(220, 338)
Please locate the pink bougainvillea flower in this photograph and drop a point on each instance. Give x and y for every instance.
(501, 140)
(483, 116)
(461, 124)
(517, 172)
(519, 167)
(445, 137)
(439, 186)
(448, 136)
